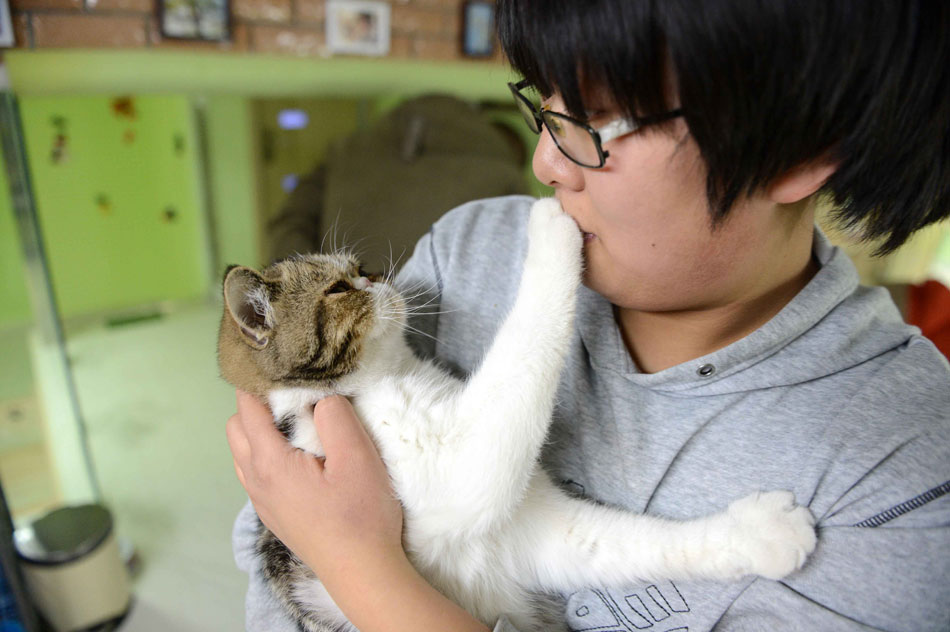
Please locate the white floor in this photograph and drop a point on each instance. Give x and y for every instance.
(155, 409)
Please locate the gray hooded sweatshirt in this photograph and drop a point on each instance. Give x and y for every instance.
(835, 399)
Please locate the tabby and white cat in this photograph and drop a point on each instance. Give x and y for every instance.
(483, 523)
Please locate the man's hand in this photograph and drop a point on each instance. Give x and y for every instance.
(339, 516)
(333, 512)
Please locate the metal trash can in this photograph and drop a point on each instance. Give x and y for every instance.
(71, 562)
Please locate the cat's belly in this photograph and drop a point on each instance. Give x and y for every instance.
(478, 573)
(472, 574)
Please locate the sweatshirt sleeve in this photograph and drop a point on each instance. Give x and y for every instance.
(420, 281)
(860, 578)
(883, 555)
(262, 612)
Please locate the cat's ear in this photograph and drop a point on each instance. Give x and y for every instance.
(247, 300)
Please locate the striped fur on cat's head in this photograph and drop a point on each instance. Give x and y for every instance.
(302, 321)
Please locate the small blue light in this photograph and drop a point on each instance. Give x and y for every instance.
(289, 182)
(292, 119)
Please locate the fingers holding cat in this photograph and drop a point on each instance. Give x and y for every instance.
(332, 513)
(253, 424)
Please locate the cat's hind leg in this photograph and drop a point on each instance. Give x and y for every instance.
(297, 588)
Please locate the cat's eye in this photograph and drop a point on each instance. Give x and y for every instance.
(338, 288)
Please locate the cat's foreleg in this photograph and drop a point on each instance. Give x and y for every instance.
(584, 544)
(503, 412)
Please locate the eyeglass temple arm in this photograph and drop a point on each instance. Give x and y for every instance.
(618, 128)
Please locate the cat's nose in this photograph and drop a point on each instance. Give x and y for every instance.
(362, 283)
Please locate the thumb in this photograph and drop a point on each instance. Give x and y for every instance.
(339, 429)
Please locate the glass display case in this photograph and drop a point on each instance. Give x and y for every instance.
(124, 208)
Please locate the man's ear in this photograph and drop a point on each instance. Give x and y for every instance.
(247, 301)
(801, 181)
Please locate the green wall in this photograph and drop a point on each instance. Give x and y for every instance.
(34, 72)
(118, 198)
(113, 255)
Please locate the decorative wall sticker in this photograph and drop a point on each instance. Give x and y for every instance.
(104, 204)
(59, 152)
(179, 145)
(124, 107)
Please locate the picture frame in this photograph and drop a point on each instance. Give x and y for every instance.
(358, 27)
(195, 20)
(7, 39)
(478, 28)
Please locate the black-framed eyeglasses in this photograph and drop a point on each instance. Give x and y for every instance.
(577, 140)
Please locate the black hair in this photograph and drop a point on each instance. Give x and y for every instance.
(766, 86)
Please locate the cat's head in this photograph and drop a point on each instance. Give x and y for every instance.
(304, 320)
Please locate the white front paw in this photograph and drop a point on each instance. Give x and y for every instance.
(554, 238)
(769, 535)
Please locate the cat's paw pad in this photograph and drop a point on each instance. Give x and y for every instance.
(771, 533)
(553, 234)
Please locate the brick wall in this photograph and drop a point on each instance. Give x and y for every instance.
(420, 29)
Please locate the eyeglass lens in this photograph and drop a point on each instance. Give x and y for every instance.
(528, 112)
(573, 139)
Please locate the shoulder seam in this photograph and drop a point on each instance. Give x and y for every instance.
(435, 261)
(906, 507)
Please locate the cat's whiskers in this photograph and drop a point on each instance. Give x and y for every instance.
(332, 230)
(406, 327)
(417, 290)
(413, 310)
(391, 273)
(405, 307)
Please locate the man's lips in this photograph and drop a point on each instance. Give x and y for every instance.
(588, 236)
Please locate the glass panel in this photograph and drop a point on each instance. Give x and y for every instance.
(44, 454)
(25, 466)
(140, 203)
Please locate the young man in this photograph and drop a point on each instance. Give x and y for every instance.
(722, 346)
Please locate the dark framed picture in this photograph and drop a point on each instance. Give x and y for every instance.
(208, 20)
(478, 28)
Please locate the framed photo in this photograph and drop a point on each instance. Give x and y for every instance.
(208, 20)
(358, 28)
(6, 25)
(478, 28)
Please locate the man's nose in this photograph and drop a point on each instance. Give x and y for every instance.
(553, 168)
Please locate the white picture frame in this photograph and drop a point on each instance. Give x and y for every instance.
(358, 27)
(7, 39)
